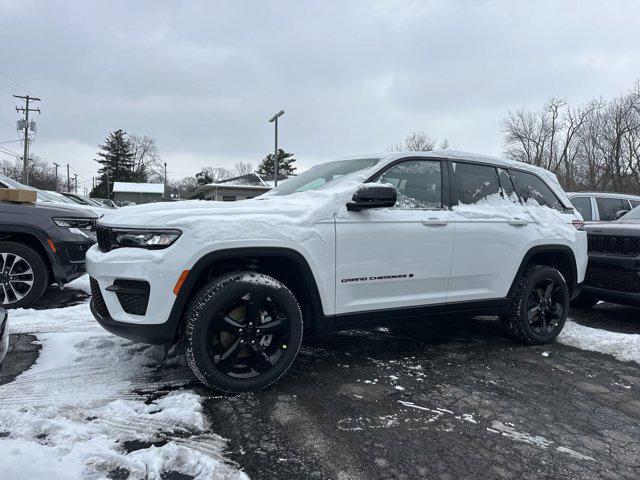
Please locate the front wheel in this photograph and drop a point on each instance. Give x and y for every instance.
(243, 332)
(540, 306)
(23, 275)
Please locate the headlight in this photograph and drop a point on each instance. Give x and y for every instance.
(82, 223)
(152, 239)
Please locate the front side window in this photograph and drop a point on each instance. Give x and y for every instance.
(474, 182)
(583, 205)
(608, 207)
(418, 183)
(530, 186)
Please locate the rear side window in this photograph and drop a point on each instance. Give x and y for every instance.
(583, 205)
(529, 186)
(474, 182)
(608, 207)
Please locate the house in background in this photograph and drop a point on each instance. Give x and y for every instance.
(236, 188)
(138, 192)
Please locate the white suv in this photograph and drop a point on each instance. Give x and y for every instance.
(378, 239)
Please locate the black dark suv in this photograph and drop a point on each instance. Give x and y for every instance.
(40, 244)
(613, 272)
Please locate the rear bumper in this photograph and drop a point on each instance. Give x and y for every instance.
(4, 334)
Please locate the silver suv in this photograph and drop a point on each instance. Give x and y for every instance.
(602, 206)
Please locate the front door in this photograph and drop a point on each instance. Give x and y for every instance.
(401, 256)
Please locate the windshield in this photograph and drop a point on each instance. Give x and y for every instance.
(632, 215)
(320, 175)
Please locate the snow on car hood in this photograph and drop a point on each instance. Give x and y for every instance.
(290, 216)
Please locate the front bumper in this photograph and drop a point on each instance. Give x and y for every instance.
(160, 268)
(154, 334)
(4, 334)
(613, 278)
(69, 259)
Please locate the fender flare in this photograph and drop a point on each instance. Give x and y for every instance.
(188, 287)
(38, 234)
(566, 252)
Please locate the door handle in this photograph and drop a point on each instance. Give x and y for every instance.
(434, 222)
(518, 222)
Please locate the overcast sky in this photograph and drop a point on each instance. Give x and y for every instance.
(203, 78)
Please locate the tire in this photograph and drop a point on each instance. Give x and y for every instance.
(540, 306)
(584, 301)
(225, 342)
(24, 275)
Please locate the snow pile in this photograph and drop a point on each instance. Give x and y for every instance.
(623, 346)
(92, 403)
(548, 221)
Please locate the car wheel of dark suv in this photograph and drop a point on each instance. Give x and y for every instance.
(540, 306)
(243, 331)
(23, 275)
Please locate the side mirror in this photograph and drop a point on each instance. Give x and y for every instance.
(372, 196)
(620, 213)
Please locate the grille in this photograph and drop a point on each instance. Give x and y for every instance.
(619, 280)
(133, 295)
(616, 245)
(104, 235)
(96, 298)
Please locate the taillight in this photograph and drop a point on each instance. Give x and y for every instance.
(579, 224)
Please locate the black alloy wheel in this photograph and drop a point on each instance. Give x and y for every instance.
(546, 306)
(243, 331)
(249, 335)
(539, 308)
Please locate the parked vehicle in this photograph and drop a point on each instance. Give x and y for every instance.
(602, 206)
(4, 334)
(52, 197)
(363, 241)
(105, 202)
(613, 273)
(74, 197)
(40, 244)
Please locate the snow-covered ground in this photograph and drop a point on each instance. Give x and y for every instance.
(89, 392)
(623, 346)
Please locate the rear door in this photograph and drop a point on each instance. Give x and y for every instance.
(608, 207)
(488, 236)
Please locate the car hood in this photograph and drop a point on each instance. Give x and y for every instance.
(293, 217)
(621, 227)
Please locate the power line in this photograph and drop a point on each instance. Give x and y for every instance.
(14, 81)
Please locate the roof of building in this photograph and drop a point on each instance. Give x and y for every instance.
(130, 187)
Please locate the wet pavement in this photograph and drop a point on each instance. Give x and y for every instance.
(445, 399)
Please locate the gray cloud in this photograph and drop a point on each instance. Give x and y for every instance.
(204, 77)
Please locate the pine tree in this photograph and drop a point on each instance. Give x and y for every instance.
(116, 160)
(285, 164)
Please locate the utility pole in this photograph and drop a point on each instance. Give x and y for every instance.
(26, 111)
(275, 154)
(165, 180)
(76, 180)
(68, 181)
(56, 165)
(93, 180)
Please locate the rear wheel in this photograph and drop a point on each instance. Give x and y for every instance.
(243, 332)
(540, 306)
(23, 275)
(584, 301)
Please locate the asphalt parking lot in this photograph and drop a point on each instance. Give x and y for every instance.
(446, 399)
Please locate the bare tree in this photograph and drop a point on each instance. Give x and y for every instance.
(595, 146)
(147, 164)
(212, 175)
(417, 141)
(41, 175)
(242, 168)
